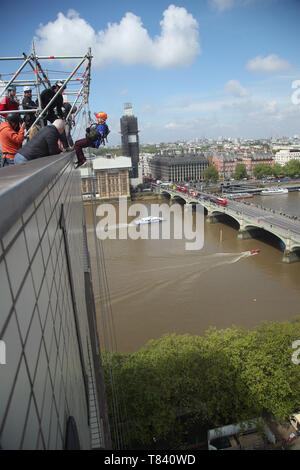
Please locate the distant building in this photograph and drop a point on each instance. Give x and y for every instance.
(253, 435)
(144, 164)
(183, 167)
(88, 183)
(225, 162)
(130, 138)
(112, 176)
(285, 155)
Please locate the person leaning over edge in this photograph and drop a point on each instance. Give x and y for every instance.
(11, 138)
(43, 144)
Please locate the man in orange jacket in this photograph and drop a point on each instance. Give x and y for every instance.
(11, 138)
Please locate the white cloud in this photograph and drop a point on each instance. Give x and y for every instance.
(172, 125)
(222, 5)
(262, 110)
(256, 116)
(271, 107)
(127, 42)
(233, 87)
(147, 109)
(124, 91)
(204, 107)
(270, 63)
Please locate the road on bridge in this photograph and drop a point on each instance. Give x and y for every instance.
(248, 210)
(265, 215)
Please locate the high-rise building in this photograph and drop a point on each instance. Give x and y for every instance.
(130, 138)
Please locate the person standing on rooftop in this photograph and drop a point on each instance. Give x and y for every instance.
(28, 103)
(56, 109)
(9, 102)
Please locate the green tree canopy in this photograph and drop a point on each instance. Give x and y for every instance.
(240, 171)
(226, 376)
(210, 174)
(261, 170)
(292, 168)
(277, 170)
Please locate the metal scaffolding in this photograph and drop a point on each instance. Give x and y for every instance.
(31, 73)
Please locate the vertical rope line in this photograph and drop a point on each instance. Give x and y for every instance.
(106, 316)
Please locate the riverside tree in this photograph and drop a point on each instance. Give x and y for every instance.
(210, 174)
(226, 376)
(240, 172)
(261, 170)
(277, 170)
(292, 168)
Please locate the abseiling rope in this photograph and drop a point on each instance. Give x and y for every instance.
(77, 128)
(108, 332)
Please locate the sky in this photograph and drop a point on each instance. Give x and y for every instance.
(190, 68)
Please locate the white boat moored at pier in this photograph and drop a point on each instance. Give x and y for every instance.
(271, 191)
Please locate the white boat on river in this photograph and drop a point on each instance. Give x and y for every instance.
(148, 220)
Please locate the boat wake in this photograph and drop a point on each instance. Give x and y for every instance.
(110, 228)
(186, 273)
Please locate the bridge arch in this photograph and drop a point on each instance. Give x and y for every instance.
(259, 228)
(262, 233)
(249, 225)
(216, 211)
(173, 195)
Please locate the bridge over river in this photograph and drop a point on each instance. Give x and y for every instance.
(250, 218)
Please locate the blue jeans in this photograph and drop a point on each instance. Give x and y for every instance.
(6, 161)
(20, 159)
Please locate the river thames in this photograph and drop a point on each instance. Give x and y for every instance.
(158, 287)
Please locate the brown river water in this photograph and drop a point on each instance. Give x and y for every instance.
(158, 287)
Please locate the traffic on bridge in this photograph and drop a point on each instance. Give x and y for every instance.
(249, 216)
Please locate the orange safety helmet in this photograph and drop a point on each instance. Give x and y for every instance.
(101, 116)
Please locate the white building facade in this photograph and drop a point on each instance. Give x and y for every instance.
(283, 156)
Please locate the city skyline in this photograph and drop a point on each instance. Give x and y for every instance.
(191, 69)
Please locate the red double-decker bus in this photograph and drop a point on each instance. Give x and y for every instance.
(221, 201)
